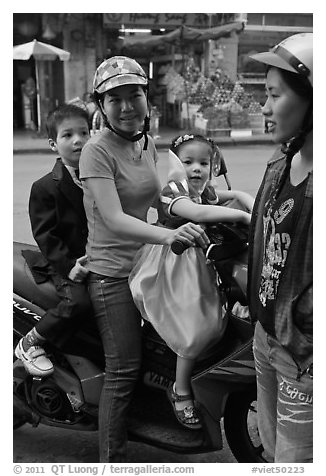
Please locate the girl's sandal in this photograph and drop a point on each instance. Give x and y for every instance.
(187, 417)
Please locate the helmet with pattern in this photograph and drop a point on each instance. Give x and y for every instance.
(118, 71)
(294, 54)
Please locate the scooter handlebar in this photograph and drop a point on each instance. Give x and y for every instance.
(178, 247)
(228, 241)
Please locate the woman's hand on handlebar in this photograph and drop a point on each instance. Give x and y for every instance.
(190, 234)
(246, 218)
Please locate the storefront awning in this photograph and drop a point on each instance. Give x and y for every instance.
(182, 35)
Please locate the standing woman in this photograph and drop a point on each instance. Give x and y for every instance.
(280, 258)
(120, 182)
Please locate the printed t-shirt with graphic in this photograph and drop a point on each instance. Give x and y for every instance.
(280, 217)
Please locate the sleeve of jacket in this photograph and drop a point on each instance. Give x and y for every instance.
(44, 223)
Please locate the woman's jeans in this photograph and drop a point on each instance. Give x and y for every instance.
(284, 402)
(119, 324)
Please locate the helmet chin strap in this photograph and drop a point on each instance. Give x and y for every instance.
(134, 138)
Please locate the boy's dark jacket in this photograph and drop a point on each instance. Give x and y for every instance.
(58, 221)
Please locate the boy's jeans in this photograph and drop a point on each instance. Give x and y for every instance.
(119, 323)
(284, 403)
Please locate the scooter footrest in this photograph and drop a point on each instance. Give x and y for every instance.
(152, 420)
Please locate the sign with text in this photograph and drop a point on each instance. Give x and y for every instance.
(164, 20)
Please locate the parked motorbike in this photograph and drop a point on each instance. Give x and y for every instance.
(223, 382)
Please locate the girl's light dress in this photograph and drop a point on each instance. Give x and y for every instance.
(178, 294)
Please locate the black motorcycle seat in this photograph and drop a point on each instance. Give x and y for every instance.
(44, 294)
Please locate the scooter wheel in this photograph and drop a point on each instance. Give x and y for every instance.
(241, 430)
(19, 418)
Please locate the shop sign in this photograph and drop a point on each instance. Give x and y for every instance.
(159, 20)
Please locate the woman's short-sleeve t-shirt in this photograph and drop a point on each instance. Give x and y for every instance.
(138, 188)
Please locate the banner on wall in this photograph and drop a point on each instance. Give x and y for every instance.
(165, 20)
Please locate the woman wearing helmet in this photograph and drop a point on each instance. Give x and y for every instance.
(280, 257)
(120, 182)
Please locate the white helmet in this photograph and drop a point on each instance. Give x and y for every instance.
(292, 54)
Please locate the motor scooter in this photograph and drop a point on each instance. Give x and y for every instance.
(223, 382)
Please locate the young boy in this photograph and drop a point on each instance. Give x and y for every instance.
(59, 227)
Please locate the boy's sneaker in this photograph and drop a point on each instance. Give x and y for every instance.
(34, 360)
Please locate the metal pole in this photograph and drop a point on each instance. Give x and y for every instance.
(38, 100)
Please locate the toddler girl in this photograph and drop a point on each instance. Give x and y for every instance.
(178, 294)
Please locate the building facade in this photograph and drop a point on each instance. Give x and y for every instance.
(91, 37)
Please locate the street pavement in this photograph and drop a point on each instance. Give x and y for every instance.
(28, 141)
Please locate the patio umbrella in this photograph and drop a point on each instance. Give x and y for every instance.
(40, 52)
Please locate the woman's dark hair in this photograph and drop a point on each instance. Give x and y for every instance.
(302, 87)
(298, 83)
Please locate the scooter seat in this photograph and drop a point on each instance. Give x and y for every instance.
(44, 294)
